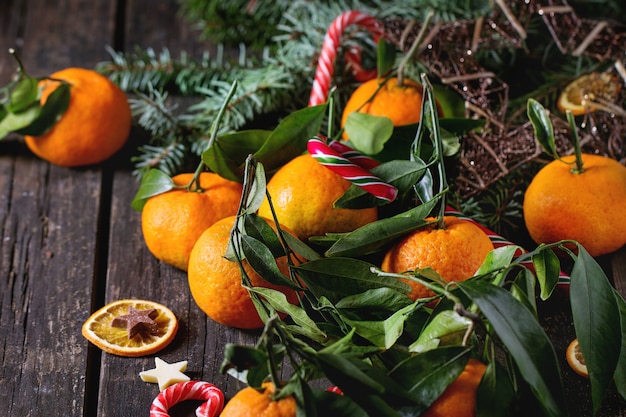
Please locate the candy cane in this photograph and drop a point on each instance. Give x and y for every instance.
(189, 390)
(332, 41)
(339, 164)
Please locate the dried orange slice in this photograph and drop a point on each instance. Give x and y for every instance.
(575, 359)
(589, 92)
(131, 327)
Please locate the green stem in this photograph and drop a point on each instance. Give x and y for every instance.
(441, 171)
(195, 181)
(416, 43)
(578, 168)
(20, 64)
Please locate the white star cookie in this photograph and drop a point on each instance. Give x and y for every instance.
(165, 374)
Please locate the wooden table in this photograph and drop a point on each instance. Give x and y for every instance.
(70, 241)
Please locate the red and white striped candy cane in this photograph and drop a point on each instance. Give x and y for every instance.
(189, 390)
(332, 41)
(340, 165)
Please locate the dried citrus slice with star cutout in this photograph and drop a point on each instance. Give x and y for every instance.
(575, 359)
(131, 327)
(588, 93)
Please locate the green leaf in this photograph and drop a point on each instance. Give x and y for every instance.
(385, 57)
(620, 371)
(427, 375)
(13, 122)
(256, 192)
(336, 278)
(373, 236)
(446, 328)
(495, 394)
(229, 152)
(243, 358)
(278, 301)
(263, 262)
(331, 404)
(377, 299)
(153, 182)
(25, 93)
(56, 104)
(548, 268)
(256, 227)
(383, 333)
(368, 134)
(596, 317)
(498, 259)
(544, 132)
(291, 136)
(525, 339)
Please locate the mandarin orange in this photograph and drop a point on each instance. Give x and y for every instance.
(587, 207)
(172, 222)
(95, 125)
(215, 282)
(455, 252)
(400, 102)
(303, 193)
(250, 402)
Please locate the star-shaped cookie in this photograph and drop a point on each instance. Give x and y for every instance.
(165, 374)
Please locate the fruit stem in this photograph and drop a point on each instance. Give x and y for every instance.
(438, 143)
(195, 181)
(416, 43)
(20, 64)
(578, 168)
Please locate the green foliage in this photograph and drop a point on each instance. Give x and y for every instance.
(21, 110)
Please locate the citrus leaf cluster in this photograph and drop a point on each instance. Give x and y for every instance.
(21, 110)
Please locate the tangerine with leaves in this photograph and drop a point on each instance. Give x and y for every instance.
(250, 402)
(563, 202)
(455, 251)
(400, 101)
(303, 192)
(459, 398)
(95, 125)
(215, 282)
(171, 222)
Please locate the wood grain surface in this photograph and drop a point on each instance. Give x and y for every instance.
(70, 241)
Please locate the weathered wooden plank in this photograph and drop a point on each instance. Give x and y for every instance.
(133, 272)
(49, 223)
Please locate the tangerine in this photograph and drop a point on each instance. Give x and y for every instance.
(95, 125)
(250, 402)
(575, 359)
(215, 282)
(400, 102)
(172, 222)
(587, 93)
(587, 207)
(303, 193)
(455, 252)
(459, 398)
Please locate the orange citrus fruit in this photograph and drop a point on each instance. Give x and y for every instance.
(250, 402)
(95, 125)
(172, 222)
(587, 207)
(155, 327)
(459, 398)
(303, 193)
(402, 103)
(455, 252)
(587, 92)
(575, 359)
(215, 282)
